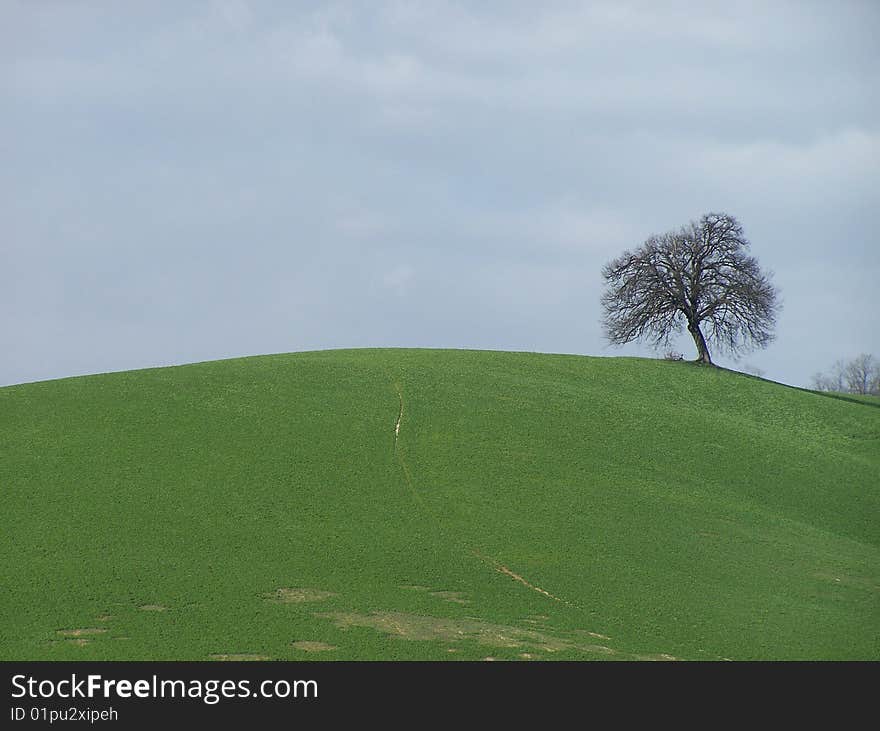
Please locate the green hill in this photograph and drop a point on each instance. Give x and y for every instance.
(429, 504)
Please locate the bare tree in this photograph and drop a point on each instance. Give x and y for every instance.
(701, 277)
(833, 380)
(860, 375)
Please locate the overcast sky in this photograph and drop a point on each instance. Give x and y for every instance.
(191, 181)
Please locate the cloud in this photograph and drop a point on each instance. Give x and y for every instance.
(187, 182)
(398, 278)
(237, 14)
(563, 227)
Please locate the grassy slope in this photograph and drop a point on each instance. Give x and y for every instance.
(675, 509)
(858, 397)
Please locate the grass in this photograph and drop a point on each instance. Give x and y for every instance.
(857, 397)
(262, 507)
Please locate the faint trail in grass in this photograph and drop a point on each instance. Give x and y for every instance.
(399, 415)
(497, 566)
(407, 476)
(502, 569)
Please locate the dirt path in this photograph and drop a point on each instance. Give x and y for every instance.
(497, 566)
(502, 569)
(399, 415)
(407, 476)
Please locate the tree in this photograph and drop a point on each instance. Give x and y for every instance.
(834, 380)
(860, 375)
(701, 277)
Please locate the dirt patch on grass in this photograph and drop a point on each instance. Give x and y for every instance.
(313, 646)
(287, 595)
(104, 618)
(594, 635)
(502, 569)
(451, 596)
(81, 632)
(152, 608)
(659, 657)
(240, 657)
(419, 627)
(456, 597)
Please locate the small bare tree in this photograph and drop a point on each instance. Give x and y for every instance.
(861, 374)
(701, 277)
(834, 380)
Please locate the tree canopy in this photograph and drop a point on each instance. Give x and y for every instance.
(702, 277)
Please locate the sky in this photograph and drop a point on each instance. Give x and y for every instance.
(184, 182)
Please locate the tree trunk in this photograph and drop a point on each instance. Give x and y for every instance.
(700, 342)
